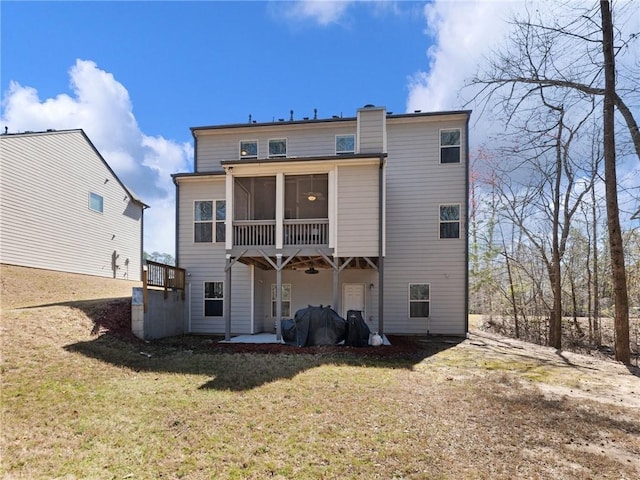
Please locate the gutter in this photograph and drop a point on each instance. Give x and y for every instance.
(466, 229)
(380, 245)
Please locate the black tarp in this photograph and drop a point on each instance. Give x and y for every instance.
(357, 330)
(314, 326)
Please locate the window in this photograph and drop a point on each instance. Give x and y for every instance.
(345, 144)
(450, 146)
(249, 149)
(213, 299)
(286, 299)
(278, 147)
(450, 221)
(96, 202)
(203, 221)
(418, 300)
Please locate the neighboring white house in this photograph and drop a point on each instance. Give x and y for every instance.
(366, 213)
(63, 208)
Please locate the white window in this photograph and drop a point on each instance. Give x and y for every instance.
(450, 146)
(286, 299)
(450, 221)
(96, 202)
(278, 147)
(249, 149)
(345, 144)
(213, 299)
(419, 299)
(204, 220)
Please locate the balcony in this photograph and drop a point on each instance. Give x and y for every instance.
(299, 232)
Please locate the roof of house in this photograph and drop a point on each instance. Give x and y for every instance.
(335, 119)
(130, 192)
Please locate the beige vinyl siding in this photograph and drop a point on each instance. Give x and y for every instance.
(44, 208)
(205, 262)
(417, 184)
(371, 130)
(358, 211)
(302, 141)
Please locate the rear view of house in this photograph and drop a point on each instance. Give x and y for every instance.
(362, 213)
(63, 208)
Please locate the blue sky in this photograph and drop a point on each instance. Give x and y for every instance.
(137, 75)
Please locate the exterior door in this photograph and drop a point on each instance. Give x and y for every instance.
(352, 298)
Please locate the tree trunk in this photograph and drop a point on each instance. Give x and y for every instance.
(622, 349)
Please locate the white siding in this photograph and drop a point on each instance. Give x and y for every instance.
(205, 262)
(371, 130)
(305, 140)
(44, 208)
(357, 212)
(416, 185)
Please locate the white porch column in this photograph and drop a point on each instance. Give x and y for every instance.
(279, 209)
(228, 221)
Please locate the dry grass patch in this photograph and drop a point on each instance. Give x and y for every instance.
(77, 404)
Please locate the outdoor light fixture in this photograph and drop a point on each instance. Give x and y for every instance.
(311, 270)
(312, 197)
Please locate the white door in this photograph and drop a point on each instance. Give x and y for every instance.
(352, 298)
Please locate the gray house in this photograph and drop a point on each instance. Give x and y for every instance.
(362, 213)
(63, 208)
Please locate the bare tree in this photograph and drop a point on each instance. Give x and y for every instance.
(573, 54)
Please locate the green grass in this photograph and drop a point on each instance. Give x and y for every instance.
(77, 405)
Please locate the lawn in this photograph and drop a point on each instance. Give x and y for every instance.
(79, 402)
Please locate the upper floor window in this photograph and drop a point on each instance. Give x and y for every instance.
(419, 299)
(278, 147)
(345, 144)
(204, 220)
(96, 202)
(249, 149)
(450, 146)
(450, 221)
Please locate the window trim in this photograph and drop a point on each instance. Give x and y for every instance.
(241, 156)
(93, 195)
(343, 152)
(458, 146)
(409, 300)
(205, 298)
(278, 155)
(273, 300)
(458, 221)
(214, 221)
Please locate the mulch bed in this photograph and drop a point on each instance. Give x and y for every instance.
(114, 318)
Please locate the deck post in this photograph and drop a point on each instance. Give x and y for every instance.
(226, 295)
(279, 296)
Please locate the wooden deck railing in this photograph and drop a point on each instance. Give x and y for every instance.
(164, 276)
(255, 233)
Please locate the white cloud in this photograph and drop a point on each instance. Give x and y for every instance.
(101, 106)
(462, 32)
(323, 12)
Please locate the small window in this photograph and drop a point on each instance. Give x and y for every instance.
(213, 299)
(450, 221)
(286, 299)
(419, 300)
(345, 144)
(450, 146)
(203, 221)
(249, 149)
(96, 202)
(278, 147)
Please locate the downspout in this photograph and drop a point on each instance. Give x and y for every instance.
(177, 224)
(466, 229)
(380, 248)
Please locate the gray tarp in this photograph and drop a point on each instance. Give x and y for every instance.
(314, 326)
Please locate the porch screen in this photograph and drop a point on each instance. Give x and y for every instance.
(305, 196)
(254, 198)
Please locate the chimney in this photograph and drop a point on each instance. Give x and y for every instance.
(372, 130)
